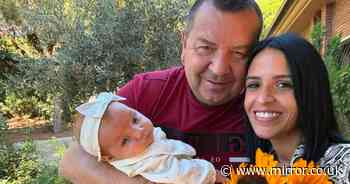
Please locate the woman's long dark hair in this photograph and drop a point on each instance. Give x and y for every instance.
(316, 119)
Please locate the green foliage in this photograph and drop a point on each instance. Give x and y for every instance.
(18, 45)
(17, 104)
(3, 128)
(339, 76)
(49, 176)
(340, 87)
(21, 164)
(3, 124)
(14, 50)
(317, 35)
(99, 46)
(9, 12)
(58, 147)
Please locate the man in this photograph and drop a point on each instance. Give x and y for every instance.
(199, 103)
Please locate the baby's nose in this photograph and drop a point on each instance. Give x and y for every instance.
(138, 134)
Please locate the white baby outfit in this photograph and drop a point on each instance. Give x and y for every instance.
(168, 161)
(164, 161)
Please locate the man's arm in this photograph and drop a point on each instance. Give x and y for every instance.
(81, 168)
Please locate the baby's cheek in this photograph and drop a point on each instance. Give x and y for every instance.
(139, 149)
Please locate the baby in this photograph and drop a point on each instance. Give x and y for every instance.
(127, 140)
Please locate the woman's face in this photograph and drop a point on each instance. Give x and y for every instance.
(269, 99)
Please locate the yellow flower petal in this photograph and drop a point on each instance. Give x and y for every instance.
(266, 161)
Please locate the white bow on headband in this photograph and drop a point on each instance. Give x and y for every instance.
(93, 112)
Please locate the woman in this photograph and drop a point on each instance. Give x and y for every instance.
(289, 106)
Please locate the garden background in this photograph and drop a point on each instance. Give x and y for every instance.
(54, 54)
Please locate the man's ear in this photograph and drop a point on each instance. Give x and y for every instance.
(183, 46)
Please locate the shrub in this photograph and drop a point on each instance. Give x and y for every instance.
(3, 126)
(23, 166)
(24, 104)
(339, 76)
(18, 164)
(49, 176)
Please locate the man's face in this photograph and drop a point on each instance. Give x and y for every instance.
(214, 53)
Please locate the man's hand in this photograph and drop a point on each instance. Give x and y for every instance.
(81, 168)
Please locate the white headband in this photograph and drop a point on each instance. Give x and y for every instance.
(93, 112)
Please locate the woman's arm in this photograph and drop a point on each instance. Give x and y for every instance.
(81, 168)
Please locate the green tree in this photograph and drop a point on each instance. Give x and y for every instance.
(99, 45)
(9, 12)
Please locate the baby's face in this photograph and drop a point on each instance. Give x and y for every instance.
(124, 132)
